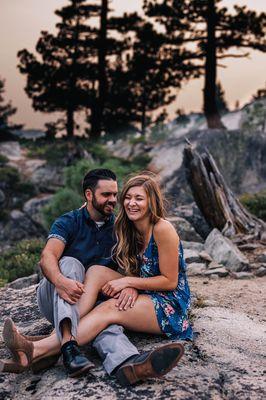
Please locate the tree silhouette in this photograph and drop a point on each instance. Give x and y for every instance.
(212, 30)
(142, 81)
(6, 111)
(220, 99)
(63, 77)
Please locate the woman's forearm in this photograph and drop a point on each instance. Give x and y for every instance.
(156, 283)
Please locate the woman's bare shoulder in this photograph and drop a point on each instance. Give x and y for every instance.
(163, 228)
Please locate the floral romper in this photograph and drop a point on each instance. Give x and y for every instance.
(171, 307)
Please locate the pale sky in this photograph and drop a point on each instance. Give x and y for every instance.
(21, 22)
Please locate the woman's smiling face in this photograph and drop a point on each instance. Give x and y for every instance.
(136, 203)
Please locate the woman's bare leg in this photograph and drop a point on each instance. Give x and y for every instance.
(140, 318)
(95, 279)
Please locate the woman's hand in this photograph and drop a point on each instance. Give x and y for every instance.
(126, 298)
(115, 286)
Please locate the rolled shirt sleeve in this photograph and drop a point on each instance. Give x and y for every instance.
(63, 228)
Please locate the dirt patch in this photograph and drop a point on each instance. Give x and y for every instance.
(247, 296)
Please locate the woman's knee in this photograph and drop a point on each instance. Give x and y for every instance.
(97, 272)
(109, 311)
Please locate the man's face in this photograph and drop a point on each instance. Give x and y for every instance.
(104, 197)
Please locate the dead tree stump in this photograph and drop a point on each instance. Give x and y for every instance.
(218, 204)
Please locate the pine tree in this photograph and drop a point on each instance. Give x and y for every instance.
(6, 111)
(144, 76)
(149, 79)
(220, 99)
(210, 27)
(63, 77)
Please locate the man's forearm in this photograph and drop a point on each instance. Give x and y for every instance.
(50, 268)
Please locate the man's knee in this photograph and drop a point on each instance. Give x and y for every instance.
(72, 268)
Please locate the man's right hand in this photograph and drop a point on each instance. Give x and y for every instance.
(69, 289)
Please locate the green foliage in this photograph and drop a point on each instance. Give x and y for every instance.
(64, 200)
(10, 183)
(255, 203)
(72, 197)
(20, 260)
(9, 176)
(141, 161)
(159, 133)
(256, 116)
(3, 160)
(53, 153)
(139, 139)
(6, 111)
(75, 173)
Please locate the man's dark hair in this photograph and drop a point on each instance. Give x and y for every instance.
(91, 179)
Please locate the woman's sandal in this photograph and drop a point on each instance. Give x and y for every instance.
(18, 343)
(34, 338)
(12, 366)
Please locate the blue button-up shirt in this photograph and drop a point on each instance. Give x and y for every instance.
(83, 239)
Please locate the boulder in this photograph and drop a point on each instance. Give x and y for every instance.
(191, 256)
(33, 207)
(20, 226)
(222, 250)
(23, 282)
(242, 275)
(185, 229)
(214, 265)
(239, 170)
(195, 269)
(11, 150)
(205, 256)
(47, 178)
(221, 272)
(192, 214)
(260, 272)
(261, 258)
(192, 245)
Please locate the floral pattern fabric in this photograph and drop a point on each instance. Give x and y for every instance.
(171, 307)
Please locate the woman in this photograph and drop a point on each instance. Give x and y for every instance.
(150, 259)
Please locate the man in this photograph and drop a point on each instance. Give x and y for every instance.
(78, 240)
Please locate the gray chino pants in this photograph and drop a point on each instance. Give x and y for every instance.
(112, 344)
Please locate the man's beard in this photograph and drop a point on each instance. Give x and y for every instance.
(100, 207)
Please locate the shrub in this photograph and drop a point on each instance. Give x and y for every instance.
(63, 201)
(255, 203)
(20, 260)
(9, 176)
(72, 197)
(3, 160)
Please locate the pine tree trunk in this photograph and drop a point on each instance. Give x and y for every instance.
(143, 114)
(98, 112)
(70, 123)
(210, 107)
(218, 204)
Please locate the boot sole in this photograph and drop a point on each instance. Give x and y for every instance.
(158, 363)
(81, 371)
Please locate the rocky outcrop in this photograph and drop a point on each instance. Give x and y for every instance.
(185, 230)
(224, 362)
(20, 226)
(225, 252)
(243, 171)
(33, 207)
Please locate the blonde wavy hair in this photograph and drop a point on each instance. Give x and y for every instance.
(129, 240)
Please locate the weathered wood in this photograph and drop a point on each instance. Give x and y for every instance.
(218, 204)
